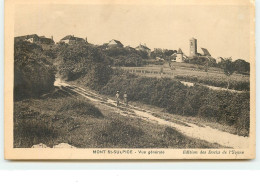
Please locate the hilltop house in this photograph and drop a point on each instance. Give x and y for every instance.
(29, 38)
(144, 48)
(34, 38)
(129, 48)
(70, 39)
(205, 52)
(115, 43)
(179, 56)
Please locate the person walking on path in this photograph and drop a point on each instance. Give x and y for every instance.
(125, 98)
(117, 98)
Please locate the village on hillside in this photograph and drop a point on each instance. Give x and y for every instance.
(173, 63)
(174, 55)
(157, 55)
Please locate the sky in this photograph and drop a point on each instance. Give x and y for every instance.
(223, 29)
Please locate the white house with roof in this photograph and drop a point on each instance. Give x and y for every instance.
(70, 39)
(179, 57)
(115, 43)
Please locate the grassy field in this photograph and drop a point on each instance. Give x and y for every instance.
(65, 118)
(191, 73)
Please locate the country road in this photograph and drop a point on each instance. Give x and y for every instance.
(189, 129)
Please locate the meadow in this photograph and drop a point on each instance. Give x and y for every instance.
(192, 73)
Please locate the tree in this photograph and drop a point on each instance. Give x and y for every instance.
(241, 66)
(76, 61)
(34, 72)
(228, 68)
(172, 68)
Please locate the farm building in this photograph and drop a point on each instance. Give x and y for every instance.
(144, 48)
(129, 48)
(70, 39)
(29, 38)
(179, 56)
(115, 43)
(34, 38)
(205, 52)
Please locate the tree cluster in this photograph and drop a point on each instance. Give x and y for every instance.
(82, 61)
(34, 72)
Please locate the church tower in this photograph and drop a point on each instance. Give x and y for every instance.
(193, 47)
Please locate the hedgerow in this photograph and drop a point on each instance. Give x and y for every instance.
(221, 106)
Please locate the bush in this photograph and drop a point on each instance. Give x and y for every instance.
(80, 107)
(125, 57)
(203, 61)
(118, 134)
(34, 73)
(31, 127)
(239, 65)
(208, 111)
(97, 76)
(85, 62)
(132, 60)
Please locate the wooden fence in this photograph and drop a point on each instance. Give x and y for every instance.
(149, 72)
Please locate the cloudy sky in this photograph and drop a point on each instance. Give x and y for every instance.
(223, 30)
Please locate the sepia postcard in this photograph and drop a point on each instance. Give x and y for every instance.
(122, 79)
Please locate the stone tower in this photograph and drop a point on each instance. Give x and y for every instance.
(193, 47)
(179, 57)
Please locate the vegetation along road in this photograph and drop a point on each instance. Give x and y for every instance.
(187, 128)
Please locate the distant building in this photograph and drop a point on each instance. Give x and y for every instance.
(129, 48)
(29, 38)
(48, 41)
(34, 38)
(205, 52)
(115, 43)
(179, 56)
(70, 39)
(193, 47)
(144, 48)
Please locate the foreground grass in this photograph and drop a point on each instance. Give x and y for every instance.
(74, 120)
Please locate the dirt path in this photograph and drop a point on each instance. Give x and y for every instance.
(189, 129)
